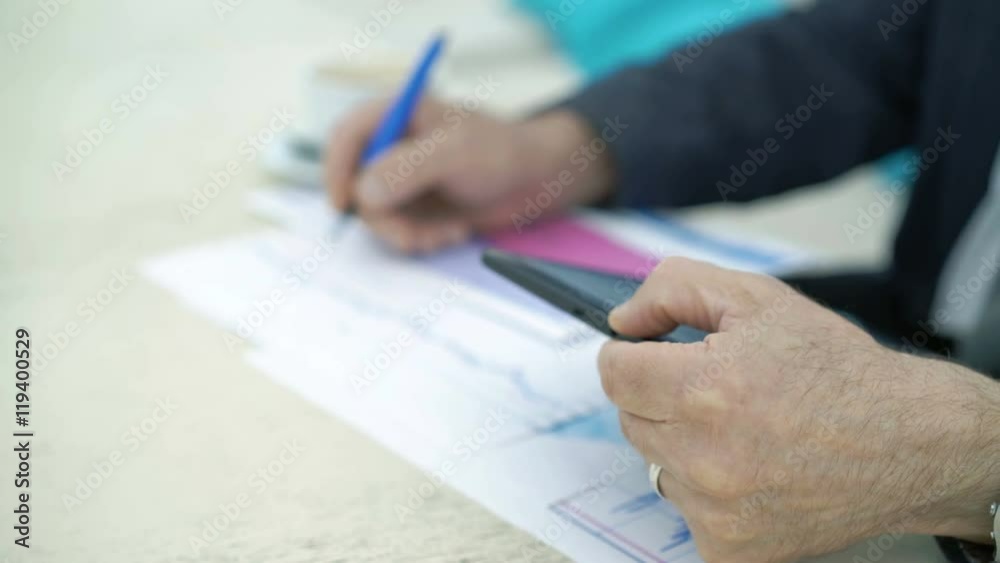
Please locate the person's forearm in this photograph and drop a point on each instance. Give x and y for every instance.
(775, 105)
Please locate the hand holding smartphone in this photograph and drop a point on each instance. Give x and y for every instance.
(588, 295)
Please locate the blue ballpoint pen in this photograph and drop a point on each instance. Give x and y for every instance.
(397, 119)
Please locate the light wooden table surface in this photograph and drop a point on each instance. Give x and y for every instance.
(64, 241)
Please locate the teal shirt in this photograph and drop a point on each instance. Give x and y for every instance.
(602, 35)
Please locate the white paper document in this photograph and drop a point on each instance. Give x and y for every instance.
(482, 386)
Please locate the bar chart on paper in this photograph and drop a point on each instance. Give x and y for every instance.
(425, 355)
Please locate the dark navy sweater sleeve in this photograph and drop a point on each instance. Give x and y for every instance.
(774, 105)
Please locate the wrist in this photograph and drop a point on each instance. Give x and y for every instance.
(556, 147)
(965, 480)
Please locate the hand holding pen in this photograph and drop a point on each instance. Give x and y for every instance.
(424, 174)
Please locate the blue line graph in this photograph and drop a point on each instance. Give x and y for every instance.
(568, 515)
(601, 425)
(474, 358)
(627, 520)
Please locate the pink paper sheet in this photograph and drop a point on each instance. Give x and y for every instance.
(569, 241)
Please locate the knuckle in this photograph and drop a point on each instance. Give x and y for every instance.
(719, 479)
(719, 535)
(385, 170)
(715, 524)
(671, 265)
(713, 394)
(741, 296)
(642, 437)
(678, 262)
(628, 382)
(769, 284)
(706, 402)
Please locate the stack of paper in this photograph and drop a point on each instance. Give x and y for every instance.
(483, 386)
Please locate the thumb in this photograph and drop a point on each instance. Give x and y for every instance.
(681, 291)
(396, 178)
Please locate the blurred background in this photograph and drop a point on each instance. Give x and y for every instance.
(168, 94)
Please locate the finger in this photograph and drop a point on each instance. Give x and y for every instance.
(343, 154)
(394, 180)
(668, 486)
(642, 433)
(408, 235)
(682, 291)
(665, 445)
(657, 442)
(650, 379)
(672, 489)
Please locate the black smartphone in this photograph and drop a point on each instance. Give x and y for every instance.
(588, 295)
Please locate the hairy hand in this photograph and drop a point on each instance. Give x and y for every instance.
(460, 172)
(790, 432)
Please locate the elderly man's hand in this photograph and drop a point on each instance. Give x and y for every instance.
(458, 173)
(790, 432)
